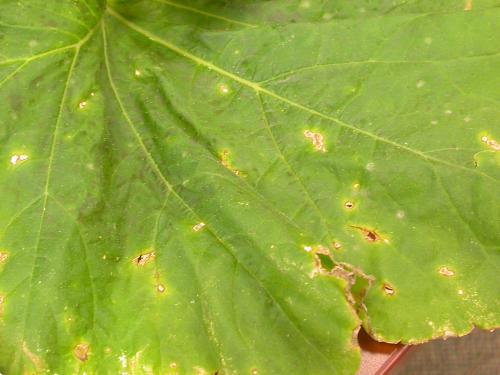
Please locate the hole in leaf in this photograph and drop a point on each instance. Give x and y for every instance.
(326, 262)
(17, 159)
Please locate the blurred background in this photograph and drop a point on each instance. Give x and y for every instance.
(475, 354)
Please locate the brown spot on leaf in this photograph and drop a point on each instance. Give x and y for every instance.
(160, 288)
(144, 258)
(388, 289)
(349, 205)
(316, 139)
(198, 227)
(225, 161)
(336, 245)
(17, 159)
(445, 271)
(201, 371)
(447, 334)
(322, 250)
(81, 352)
(369, 235)
(491, 143)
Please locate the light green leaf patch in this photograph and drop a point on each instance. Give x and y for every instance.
(208, 187)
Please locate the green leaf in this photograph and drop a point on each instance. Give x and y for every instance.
(212, 186)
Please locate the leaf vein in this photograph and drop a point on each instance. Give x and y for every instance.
(255, 86)
(211, 231)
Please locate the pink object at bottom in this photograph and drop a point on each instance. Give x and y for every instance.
(378, 358)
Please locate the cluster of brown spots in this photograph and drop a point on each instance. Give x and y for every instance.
(224, 160)
(81, 352)
(388, 289)
(369, 234)
(491, 143)
(316, 139)
(445, 271)
(198, 227)
(143, 259)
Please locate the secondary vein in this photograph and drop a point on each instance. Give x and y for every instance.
(255, 86)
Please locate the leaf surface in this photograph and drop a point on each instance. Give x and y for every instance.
(195, 187)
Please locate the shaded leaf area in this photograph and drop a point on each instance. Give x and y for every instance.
(197, 187)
